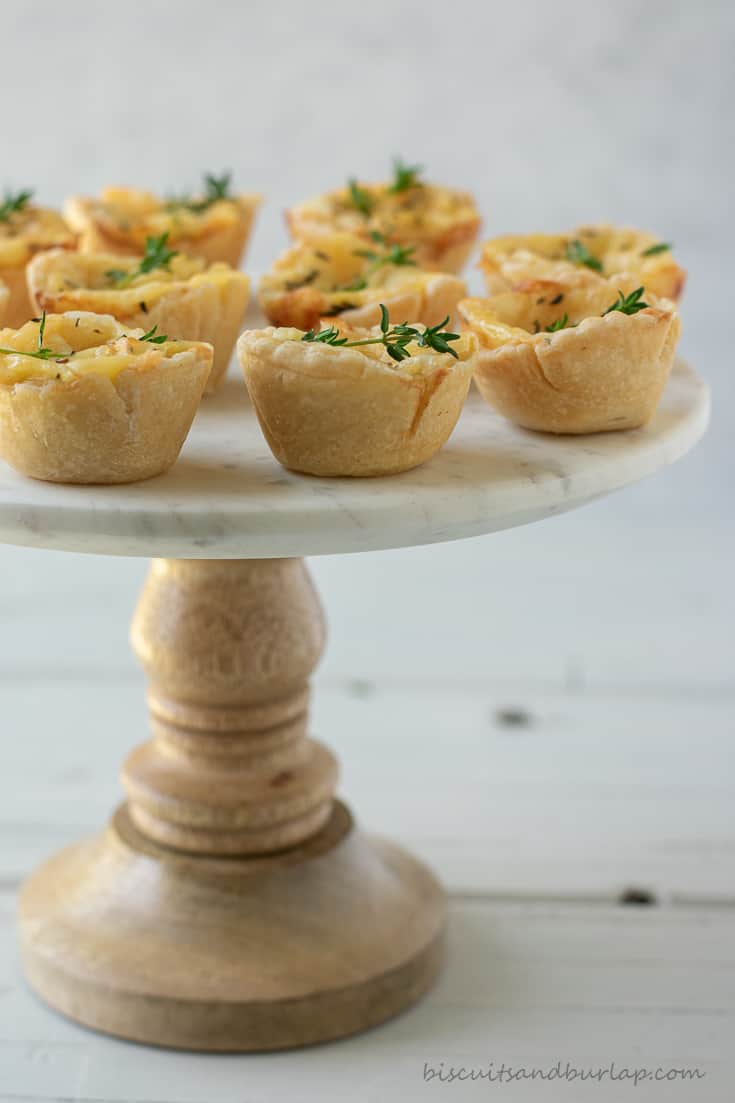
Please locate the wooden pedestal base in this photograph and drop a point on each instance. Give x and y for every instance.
(231, 904)
(228, 954)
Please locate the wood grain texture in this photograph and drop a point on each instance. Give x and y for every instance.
(232, 904)
(232, 954)
(229, 647)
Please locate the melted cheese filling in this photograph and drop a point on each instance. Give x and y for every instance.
(421, 359)
(617, 250)
(334, 266)
(135, 215)
(422, 209)
(87, 280)
(29, 230)
(84, 344)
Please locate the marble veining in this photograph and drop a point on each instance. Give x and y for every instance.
(228, 498)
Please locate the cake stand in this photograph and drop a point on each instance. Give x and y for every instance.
(232, 903)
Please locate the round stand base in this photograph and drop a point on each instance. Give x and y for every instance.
(234, 954)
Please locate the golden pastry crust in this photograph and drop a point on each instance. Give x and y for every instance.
(309, 282)
(441, 223)
(4, 300)
(187, 300)
(334, 411)
(121, 219)
(509, 260)
(598, 373)
(24, 234)
(113, 409)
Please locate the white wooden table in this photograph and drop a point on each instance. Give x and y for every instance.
(554, 768)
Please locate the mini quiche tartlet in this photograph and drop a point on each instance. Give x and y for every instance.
(344, 276)
(356, 402)
(609, 251)
(214, 226)
(24, 231)
(576, 355)
(441, 223)
(178, 294)
(83, 400)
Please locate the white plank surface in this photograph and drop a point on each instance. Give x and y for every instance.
(596, 794)
(528, 985)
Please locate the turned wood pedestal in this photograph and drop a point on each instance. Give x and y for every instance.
(232, 903)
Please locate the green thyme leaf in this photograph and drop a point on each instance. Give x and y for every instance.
(41, 353)
(215, 188)
(578, 253)
(152, 337)
(393, 339)
(560, 323)
(436, 338)
(654, 250)
(338, 308)
(627, 304)
(398, 255)
(359, 198)
(302, 281)
(329, 336)
(391, 253)
(11, 204)
(405, 176)
(157, 255)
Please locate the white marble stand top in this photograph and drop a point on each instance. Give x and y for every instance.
(227, 497)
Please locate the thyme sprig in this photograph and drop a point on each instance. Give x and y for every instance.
(359, 198)
(627, 304)
(40, 353)
(215, 188)
(659, 247)
(393, 338)
(152, 337)
(12, 204)
(405, 176)
(156, 255)
(328, 336)
(578, 253)
(391, 253)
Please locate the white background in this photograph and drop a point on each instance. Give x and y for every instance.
(612, 626)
